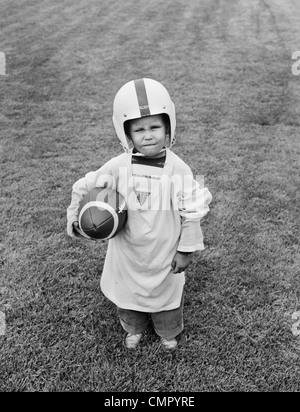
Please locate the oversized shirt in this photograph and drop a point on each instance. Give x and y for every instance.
(137, 273)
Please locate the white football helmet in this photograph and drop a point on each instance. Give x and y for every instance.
(141, 98)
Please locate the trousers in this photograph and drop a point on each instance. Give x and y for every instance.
(167, 324)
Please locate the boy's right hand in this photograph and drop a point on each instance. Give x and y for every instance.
(74, 230)
(78, 232)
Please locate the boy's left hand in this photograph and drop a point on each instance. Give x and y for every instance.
(180, 262)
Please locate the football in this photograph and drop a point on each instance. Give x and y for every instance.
(102, 213)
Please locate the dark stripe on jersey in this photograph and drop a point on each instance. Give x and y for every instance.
(147, 161)
(142, 97)
(147, 176)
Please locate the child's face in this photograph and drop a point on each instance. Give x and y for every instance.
(149, 134)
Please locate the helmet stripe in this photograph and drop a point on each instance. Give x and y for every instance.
(142, 97)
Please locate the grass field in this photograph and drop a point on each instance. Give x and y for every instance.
(227, 65)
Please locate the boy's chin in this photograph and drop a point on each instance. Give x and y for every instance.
(150, 151)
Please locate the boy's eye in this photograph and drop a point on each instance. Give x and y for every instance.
(141, 129)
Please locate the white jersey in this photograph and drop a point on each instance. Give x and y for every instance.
(164, 212)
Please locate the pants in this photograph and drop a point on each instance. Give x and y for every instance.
(167, 324)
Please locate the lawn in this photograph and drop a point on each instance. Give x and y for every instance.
(228, 67)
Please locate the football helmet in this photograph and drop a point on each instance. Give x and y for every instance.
(140, 98)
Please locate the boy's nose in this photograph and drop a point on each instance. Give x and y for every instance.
(148, 135)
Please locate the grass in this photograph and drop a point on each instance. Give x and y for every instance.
(227, 66)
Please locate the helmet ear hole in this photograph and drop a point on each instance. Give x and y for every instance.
(127, 129)
(167, 123)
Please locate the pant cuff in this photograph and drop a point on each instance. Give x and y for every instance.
(133, 330)
(170, 334)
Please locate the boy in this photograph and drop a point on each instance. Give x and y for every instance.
(144, 266)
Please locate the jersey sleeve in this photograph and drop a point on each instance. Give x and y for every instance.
(103, 177)
(193, 205)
